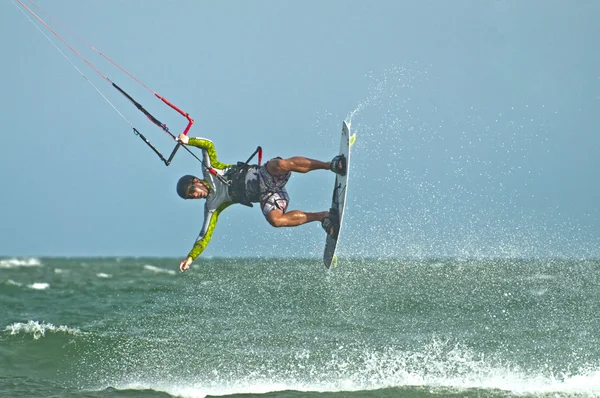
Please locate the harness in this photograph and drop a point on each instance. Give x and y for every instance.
(236, 176)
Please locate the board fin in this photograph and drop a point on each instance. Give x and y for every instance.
(334, 261)
(352, 139)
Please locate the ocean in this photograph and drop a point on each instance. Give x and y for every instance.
(287, 327)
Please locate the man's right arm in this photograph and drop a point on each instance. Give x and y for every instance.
(209, 147)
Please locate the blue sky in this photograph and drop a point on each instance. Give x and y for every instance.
(477, 125)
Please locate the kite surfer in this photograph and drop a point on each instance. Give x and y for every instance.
(225, 184)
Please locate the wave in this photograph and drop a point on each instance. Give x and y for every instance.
(38, 330)
(581, 386)
(34, 285)
(158, 270)
(103, 362)
(17, 263)
(437, 367)
(39, 286)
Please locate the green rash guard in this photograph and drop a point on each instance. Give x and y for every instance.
(217, 200)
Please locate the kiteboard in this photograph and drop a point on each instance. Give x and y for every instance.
(338, 201)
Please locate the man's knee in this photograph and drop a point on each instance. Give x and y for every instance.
(277, 166)
(276, 220)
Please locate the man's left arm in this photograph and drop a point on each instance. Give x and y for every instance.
(210, 222)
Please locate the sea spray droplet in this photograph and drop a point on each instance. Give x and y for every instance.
(484, 161)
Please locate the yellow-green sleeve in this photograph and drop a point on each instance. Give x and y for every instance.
(210, 222)
(209, 147)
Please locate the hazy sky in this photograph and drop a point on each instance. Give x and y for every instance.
(477, 125)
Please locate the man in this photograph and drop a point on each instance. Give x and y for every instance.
(225, 184)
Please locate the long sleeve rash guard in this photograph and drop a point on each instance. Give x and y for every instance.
(218, 199)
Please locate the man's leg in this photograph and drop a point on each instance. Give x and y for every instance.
(296, 164)
(278, 218)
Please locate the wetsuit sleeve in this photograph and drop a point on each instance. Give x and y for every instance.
(208, 150)
(210, 222)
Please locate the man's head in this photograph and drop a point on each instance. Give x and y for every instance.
(191, 187)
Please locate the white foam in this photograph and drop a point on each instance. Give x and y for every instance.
(39, 330)
(17, 263)
(103, 275)
(39, 286)
(158, 270)
(437, 366)
(202, 389)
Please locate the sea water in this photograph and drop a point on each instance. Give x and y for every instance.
(137, 327)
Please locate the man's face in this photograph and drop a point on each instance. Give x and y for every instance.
(197, 190)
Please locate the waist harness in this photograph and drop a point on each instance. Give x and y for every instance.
(236, 176)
